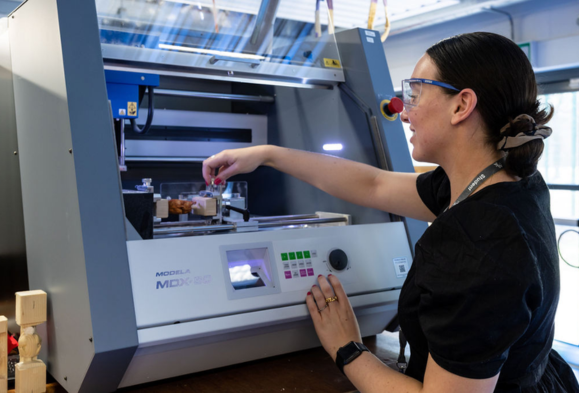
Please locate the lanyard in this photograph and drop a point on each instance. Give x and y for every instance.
(479, 179)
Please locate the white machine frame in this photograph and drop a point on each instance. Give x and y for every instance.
(176, 324)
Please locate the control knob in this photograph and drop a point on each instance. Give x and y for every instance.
(338, 259)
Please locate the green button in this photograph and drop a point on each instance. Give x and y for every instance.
(292, 255)
(307, 254)
(284, 256)
(300, 255)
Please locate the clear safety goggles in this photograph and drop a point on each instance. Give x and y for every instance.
(412, 88)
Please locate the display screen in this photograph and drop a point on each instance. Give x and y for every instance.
(249, 268)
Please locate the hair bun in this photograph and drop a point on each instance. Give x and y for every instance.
(521, 130)
(522, 123)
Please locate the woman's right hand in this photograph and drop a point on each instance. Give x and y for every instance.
(233, 162)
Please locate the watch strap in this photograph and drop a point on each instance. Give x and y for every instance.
(348, 353)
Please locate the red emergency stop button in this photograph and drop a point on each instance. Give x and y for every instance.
(390, 108)
(395, 106)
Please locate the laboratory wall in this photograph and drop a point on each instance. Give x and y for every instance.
(551, 26)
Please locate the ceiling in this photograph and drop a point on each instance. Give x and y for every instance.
(404, 15)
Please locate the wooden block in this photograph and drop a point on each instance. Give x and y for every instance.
(205, 206)
(30, 308)
(30, 377)
(3, 354)
(29, 345)
(162, 208)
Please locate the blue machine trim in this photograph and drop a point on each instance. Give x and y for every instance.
(123, 91)
(132, 78)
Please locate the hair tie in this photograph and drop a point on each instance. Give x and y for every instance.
(538, 132)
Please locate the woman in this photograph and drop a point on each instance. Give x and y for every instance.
(478, 305)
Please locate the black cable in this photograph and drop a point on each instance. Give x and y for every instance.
(559, 246)
(402, 365)
(510, 20)
(147, 126)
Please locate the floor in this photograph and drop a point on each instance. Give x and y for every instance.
(305, 371)
(310, 371)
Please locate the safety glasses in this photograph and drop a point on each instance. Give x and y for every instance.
(412, 88)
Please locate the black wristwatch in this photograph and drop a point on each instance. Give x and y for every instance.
(348, 353)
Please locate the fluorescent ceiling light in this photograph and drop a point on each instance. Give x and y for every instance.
(332, 146)
(347, 13)
(211, 52)
(185, 2)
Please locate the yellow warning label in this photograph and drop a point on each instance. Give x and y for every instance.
(332, 63)
(132, 106)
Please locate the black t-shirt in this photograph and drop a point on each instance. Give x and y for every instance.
(482, 292)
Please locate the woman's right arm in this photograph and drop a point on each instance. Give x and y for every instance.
(348, 180)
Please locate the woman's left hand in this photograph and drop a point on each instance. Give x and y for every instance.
(335, 322)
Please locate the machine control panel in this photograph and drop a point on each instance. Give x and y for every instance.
(301, 260)
(238, 273)
(297, 264)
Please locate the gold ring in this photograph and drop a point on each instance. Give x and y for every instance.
(322, 309)
(331, 299)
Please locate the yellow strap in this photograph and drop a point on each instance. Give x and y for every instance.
(215, 15)
(330, 21)
(318, 25)
(372, 14)
(387, 25)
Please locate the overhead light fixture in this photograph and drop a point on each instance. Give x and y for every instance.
(211, 52)
(183, 2)
(333, 147)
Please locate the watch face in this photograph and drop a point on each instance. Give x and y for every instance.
(352, 357)
(350, 352)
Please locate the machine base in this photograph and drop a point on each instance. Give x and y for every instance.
(185, 357)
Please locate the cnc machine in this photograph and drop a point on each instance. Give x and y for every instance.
(136, 294)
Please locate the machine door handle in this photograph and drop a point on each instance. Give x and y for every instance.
(252, 62)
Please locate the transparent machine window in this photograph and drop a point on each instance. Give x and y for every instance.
(249, 268)
(248, 38)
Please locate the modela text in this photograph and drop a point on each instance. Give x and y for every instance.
(173, 273)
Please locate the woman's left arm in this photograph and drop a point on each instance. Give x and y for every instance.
(336, 326)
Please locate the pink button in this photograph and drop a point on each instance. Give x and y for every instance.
(310, 272)
(288, 275)
(302, 272)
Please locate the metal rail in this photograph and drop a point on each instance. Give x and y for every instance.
(302, 222)
(187, 227)
(181, 224)
(192, 229)
(219, 96)
(279, 218)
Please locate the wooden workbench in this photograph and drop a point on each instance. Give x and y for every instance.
(305, 371)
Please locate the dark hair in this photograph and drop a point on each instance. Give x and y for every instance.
(503, 79)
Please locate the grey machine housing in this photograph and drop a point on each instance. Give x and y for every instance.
(59, 159)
